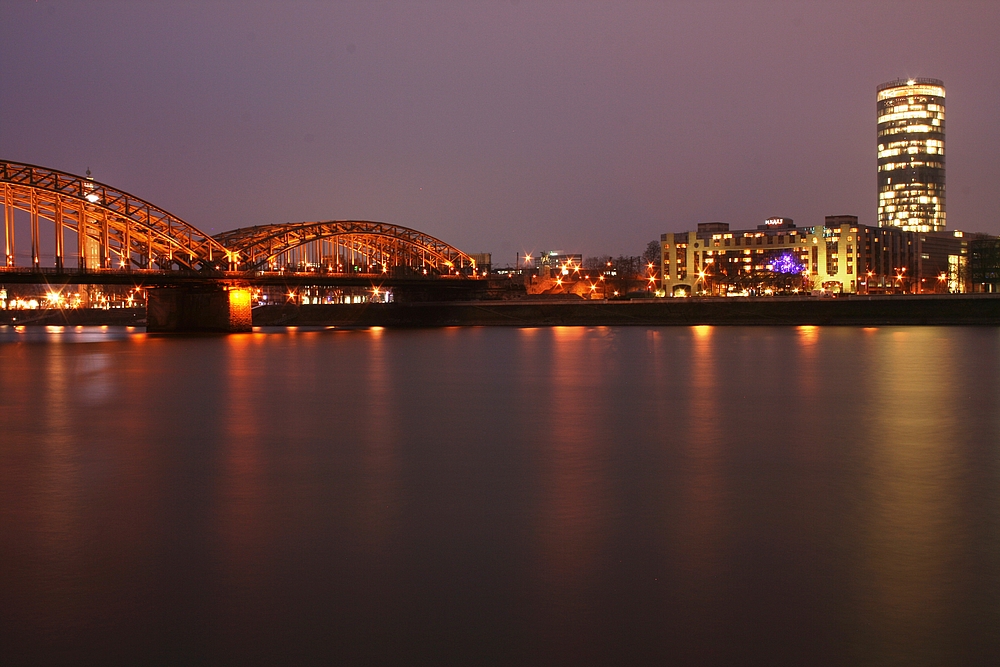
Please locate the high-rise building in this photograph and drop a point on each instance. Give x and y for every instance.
(911, 155)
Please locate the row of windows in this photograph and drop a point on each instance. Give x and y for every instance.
(909, 104)
(921, 128)
(906, 194)
(892, 166)
(911, 210)
(913, 150)
(908, 143)
(916, 91)
(914, 205)
(906, 115)
(927, 215)
(904, 189)
(915, 227)
(914, 210)
(901, 202)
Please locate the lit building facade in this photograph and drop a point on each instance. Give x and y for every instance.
(839, 256)
(911, 188)
(556, 261)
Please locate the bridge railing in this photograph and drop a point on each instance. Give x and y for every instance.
(48, 272)
(96, 271)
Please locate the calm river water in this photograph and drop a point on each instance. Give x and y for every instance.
(700, 495)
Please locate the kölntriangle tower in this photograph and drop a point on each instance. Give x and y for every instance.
(911, 155)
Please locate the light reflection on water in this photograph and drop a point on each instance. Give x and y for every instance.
(912, 522)
(66, 334)
(702, 495)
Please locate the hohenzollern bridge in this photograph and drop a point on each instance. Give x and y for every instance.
(81, 231)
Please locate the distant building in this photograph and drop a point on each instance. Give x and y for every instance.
(984, 263)
(557, 261)
(911, 188)
(837, 256)
(483, 260)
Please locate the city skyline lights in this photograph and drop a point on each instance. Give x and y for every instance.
(500, 128)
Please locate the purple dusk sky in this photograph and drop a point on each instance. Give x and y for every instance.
(496, 126)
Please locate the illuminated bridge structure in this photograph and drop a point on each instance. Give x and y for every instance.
(344, 246)
(82, 231)
(96, 226)
(99, 226)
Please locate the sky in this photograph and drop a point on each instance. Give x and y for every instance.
(497, 126)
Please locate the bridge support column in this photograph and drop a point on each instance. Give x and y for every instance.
(36, 250)
(8, 223)
(209, 308)
(60, 236)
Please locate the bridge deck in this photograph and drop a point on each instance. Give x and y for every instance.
(154, 278)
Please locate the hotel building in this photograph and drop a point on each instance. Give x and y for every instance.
(838, 256)
(911, 192)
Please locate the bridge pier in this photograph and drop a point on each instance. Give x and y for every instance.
(204, 308)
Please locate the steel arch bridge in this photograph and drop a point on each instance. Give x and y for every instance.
(110, 229)
(113, 229)
(344, 246)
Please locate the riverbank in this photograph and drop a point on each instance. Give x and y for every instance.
(977, 309)
(965, 309)
(75, 317)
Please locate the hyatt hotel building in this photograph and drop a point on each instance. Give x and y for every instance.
(838, 256)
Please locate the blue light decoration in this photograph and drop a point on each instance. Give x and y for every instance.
(786, 263)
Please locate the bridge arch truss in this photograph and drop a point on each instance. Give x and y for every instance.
(345, 246)
(107, 228)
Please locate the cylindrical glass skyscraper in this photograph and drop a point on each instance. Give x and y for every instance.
(911, 155)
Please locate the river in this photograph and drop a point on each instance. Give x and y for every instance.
(635, 495)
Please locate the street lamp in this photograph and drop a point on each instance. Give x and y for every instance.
(703, 279)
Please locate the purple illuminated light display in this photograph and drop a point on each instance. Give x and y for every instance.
(786, 263)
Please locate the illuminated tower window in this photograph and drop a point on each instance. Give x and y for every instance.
(911, 155)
